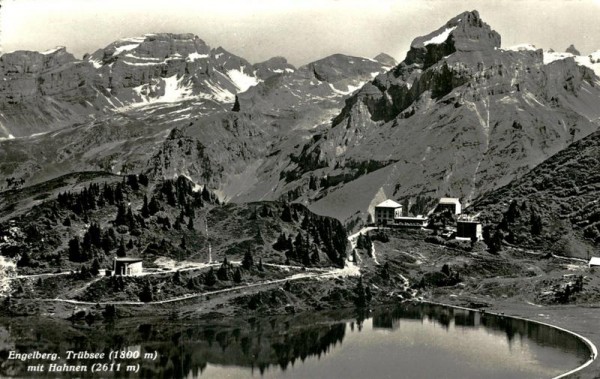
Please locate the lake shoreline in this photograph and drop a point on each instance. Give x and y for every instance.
(353, 315)
(591, 346)
(575, 319)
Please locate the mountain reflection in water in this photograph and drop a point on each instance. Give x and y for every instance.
(406, 341)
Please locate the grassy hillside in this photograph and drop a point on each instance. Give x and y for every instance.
(555, 206)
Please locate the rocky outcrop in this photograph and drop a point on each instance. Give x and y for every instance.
(169, 67)
(386, 59)
(273, 66)
(46, 91)
(458, 117)
(40, 90)
(571, 49)
(321, 84)
(245, 151)
(164, 129)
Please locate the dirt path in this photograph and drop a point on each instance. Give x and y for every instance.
(349, 270)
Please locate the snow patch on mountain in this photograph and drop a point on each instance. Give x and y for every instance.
(591, 61)
(551, 56)
(96, 63)
(242, 80)
(350, 89)
(133, 56)
(123, 48)
(195, 56)
(52, 51)
(175, 90)
(218, 93)
(522, 47)
(142, 63)
(440, 38)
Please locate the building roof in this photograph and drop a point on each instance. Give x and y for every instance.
(388, 204)
(128, 259)
(449, 200)
(595, 261)
(411, 218)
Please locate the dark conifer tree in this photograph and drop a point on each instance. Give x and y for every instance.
(210, 279)
(74, 250)
(121, 218)
(248, 260)
(132, 181)
(119, 197)
(286, 214)
(25, 260)
(153, 206)
(95, 268)
(223, 271)
(237, 275)
(143, 179)
(87, 242)
(95, 234)
(260, 265)
(536, 223)
(145, 209)
(206, 194)
(121, 250)
(147, 294)
(360, 299)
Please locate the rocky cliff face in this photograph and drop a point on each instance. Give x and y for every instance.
(46, 91)
(458, 117)
(386, 59)
(169, 116)
(243, 154)
(40, 89)
(273, 66)
(171, 67)
(572, 50)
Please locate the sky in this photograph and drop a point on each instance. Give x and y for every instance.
(300, 30)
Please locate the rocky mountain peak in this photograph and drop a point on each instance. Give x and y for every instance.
(226, 61)
(465, 32)
(338, 66)
(386, 59)
(29, 62)
(152, 46)
(571, 49)
(272, 66)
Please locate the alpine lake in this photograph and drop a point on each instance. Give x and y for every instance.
(401, 341)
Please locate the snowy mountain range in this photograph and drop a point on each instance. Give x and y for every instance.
(460, 116)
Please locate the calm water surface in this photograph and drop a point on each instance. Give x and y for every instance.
(408, 341)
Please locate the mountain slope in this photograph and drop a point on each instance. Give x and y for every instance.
(229, 151)
(242, 154)
(45, 91)
(158, 219)
(458, 117)
(554, 207)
